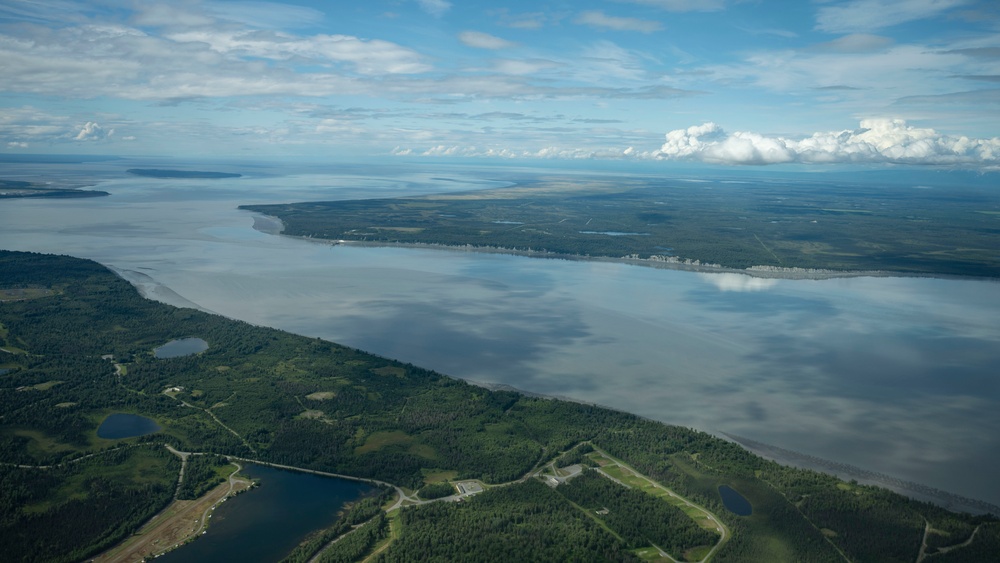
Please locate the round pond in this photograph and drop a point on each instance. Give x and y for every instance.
(117, 426)
(734, 501)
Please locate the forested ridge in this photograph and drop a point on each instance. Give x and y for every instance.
(83, 350)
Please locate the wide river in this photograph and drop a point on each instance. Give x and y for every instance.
(894, 375)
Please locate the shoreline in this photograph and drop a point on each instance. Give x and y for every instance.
(271, 225)
(847, 472)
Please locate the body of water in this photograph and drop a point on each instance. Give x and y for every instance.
(269, 521)
(118, 426)
(894, 375)
(734, 501)
(180, 347)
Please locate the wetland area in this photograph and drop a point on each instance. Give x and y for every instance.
(891, 374)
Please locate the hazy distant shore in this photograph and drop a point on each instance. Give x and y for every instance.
(273, 226)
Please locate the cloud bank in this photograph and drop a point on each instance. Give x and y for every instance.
(876, 141)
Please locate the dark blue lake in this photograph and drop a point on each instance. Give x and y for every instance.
(269, 521)
(118, 426)
(180, 347)
(735, 502)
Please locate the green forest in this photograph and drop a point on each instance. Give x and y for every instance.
(732, 225)
(77, 346)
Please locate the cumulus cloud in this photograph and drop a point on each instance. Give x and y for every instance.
(481, 40)
(876, 141)
(17, 145)
(93, 132)
(597, 18)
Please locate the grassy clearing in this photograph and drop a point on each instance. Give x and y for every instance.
(378, 440)
(438, 475)
(42, 445)
(697, 553)
(24, 293)
(321, 395)
(423, 450)
(390, 370)
(649, 554)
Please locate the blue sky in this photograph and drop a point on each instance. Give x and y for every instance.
(913, 82)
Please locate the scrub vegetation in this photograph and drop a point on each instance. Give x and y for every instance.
(66, 494)
(809, 225)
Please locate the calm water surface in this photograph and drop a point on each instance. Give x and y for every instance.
(734, 501)
(118, 426)
(180, 348)
(896, 375)
(269, 521)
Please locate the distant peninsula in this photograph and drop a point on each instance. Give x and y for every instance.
(768, 229)
(158, 173)
(10, 189)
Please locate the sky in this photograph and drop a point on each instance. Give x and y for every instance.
(818, 83)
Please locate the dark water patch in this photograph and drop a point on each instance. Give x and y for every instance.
(117, 426)
(735, 502)
(269, 521)
(183, 174)
(614, 233)
(181, 347)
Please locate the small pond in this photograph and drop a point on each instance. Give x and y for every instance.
(735, 502)
(180, 347)
(118, 426)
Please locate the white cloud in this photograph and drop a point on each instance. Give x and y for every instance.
(268, 15)
(867, 15)
(436, 8)
(523, 66)
(162, 14)
(372, 56)
(92, 131)
(20, 126)
(597, 18)
(682, 5)
(481, 40)
(876, 141)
